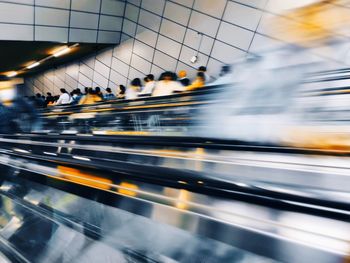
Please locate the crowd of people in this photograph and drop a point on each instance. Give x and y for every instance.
(168, 83)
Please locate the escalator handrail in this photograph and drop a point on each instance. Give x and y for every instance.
(181, 142)
(210, 186)
(202, 91)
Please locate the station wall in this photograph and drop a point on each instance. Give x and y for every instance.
(159, 35)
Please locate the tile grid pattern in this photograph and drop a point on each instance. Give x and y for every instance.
(183, 62)
(160, 35)
(256, 28)
(69, 18)
(186, 30)
(34, 20)
(217, 32)
(62, 20)
(133, 45)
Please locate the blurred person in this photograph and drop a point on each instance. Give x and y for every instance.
(17, 114)
(90, 98)
(203, 69)
(39, 101)
(167, 84)
(86, 91)
(76, 96)
(134, 89)
(225, 76)
(198, 83)
(51, 101)
(99, 92)
(78, 92)
(121, 94)
(150, 84)
(260, 107)
(56, 98)
(225, 70)
(109, 95)
(49, 98)
(25, 115)
(64, 98)
(183, 78)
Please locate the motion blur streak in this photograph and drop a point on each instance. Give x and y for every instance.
(183, 199)
(298, 96)
(309, 25)
(253, 169)
(126, 189)
(77, 176)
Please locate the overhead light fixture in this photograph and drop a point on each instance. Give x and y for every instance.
(12, 74)
(33, 65)
(62, 52)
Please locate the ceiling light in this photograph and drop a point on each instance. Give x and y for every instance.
(33, 65)
(12, 74)
(62, 52)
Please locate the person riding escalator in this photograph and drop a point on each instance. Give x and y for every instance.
(90, 98)
(17, 114)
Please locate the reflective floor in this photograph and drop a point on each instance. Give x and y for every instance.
(141, 222)
(47, 225)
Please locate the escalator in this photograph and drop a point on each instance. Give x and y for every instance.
(129, 181)
(124, 201)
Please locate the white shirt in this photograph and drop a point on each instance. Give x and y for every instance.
(64, 99)
(131, 93)
(149, 87)
(164, 88)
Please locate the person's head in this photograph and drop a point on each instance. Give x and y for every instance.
(49, 94)
(201, 76)
(38, 95)
(109, 90)
(136, 82)
(150, 77)
(78, 91)
(122, 89)
(43, 97)
(86, 90)
(182, 74)
(91, 91)
(225, 70)
(63, 91)
(168, 76)
(202, 69)
(98, 90)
